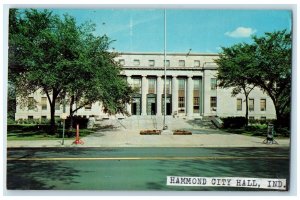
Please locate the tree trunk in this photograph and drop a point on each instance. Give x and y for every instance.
(278, 116)
(247, 111)
(52, 120)
(277, 110)
(246, 93)
(71, 112)
(52, 109)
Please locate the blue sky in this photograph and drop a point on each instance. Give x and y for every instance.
(202, 31)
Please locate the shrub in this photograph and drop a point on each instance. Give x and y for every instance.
(45, 121)
(68, 133)
(20, 121)
(10, 121)
(82, 121)
(25, 128)
(234, 122)
(285, 121)
(285, 132)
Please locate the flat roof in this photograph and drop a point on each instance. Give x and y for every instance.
(168, 54)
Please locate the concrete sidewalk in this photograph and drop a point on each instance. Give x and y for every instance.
(132, 138)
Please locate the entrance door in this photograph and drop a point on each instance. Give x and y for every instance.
(151, 106)
(136, 106)
(168, 106)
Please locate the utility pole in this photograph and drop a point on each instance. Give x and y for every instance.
(165, 127)
(64, 117)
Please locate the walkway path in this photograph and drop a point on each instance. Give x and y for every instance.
(132, 138)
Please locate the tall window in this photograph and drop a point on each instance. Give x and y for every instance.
(251, 104)
(213, 103)
(31, 103)
(136, 62)
(239, 104)
(181, 63)
(137, 85)
(168, 85)
(151, 86)
(196, 63)
(181, 104)
(151, 63)
(44, 103)
(263, 105)
(196, 102)
(181, 95)
(213, 83)
(57, 103)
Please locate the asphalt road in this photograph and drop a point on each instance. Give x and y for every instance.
(138, 168)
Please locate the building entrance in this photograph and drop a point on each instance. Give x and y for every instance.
(168, 105)
(151, 105)
(136, 106)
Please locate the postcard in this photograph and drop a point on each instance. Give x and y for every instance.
(146, 99)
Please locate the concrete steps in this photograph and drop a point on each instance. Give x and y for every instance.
(155, 122)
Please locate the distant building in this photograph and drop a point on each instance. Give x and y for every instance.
(191, 89)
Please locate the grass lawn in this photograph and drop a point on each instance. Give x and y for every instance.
(30, 132)
(258, 131)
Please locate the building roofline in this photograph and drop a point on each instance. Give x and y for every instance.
(168, 54)
(170, 68)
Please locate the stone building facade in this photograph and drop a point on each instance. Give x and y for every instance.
(191, 88)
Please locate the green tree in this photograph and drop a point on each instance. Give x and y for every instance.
(45, 47)
(265, 64)
(32, 45)
(97, 78)
(232, 63)
(272, 68)
(11, 101)
(55, 56)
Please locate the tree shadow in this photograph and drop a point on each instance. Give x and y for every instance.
(40, 152)
(38, 175)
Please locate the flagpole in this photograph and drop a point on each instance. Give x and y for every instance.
(165, 71)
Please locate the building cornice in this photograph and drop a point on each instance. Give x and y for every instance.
(167, 54)
(171, 68)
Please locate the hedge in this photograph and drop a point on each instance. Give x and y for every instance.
(82, 121)
(234, 122)
(30, 127)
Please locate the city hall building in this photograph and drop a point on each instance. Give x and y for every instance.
(191, 91)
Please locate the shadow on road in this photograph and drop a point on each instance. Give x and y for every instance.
(40, 175)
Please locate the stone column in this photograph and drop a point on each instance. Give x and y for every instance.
(128, 105)
(174, 94)
(159, 92)
(189, 96)
(144, 95)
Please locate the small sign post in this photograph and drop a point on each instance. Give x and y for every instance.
(63, 116)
